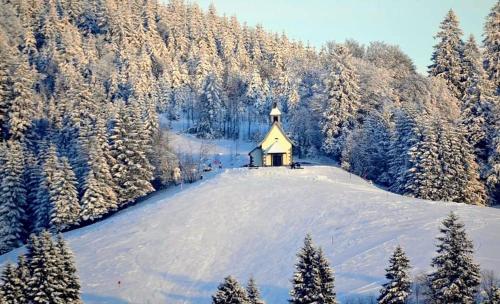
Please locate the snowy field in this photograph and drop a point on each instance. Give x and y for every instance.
(178, 245)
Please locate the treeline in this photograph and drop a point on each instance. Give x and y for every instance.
(455, 277)
(45, 274)
(82, 83)
(79, 126)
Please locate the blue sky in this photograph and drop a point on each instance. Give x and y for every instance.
(411, 24)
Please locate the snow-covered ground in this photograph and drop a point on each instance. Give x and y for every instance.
(177, 246)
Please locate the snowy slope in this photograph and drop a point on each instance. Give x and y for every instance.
(177, 246)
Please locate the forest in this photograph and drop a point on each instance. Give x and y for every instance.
(83, 85)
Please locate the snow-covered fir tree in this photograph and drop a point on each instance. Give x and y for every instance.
(459, 180)
(398, 288)
(367, 149)
(447, 55)
(211, 107)
(230, 292)
(491, 44)
(12, 198)
(456, 277)
(65, 206)
(406, 135)
(46, 274)
(43, 207)
(306, 281)
(23, 274)
(477, 102)
(495, 297)
(342, 102)
(493, 163)
(132, 173)
(253, 292)
(99, 195)
(12, 287)
(68, 273)
(325, 272)
(422, 178)
(45, 261)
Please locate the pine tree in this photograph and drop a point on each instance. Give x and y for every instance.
(211, 106)
(398, 288)
(132, 172)
(230, 292)
(253, 293)
(23, 273)
(43, 204)
(99, 197)
(22, 109)
(306, 280)
(407, 134)
(327, 288)
(33, 178)
(44, 258)
(422, 177)
(492, 46)
(12, 287)
(447, 55)
(12, 199)
(493, 164)
(477, 102)
(495, 298)
(65, 207)
(456, 277)
(459, 179)
(342, 90)
(68, 273)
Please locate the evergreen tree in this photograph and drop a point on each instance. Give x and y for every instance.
(493, 164)
(68, 273)
(447, 55)
(22, 107)
(495, 298)
(12, 287)
(132, 172)
(44, 258)
(492, 46)
(477, 102)
(306, 281)
(398, 288)
(342, 90)
(327, 288)
(456, 277)
(407, 134)
(12, 199)
(459, 175)
(211, 105)
(367, 151)
(422, 179)
(253, 293)
(43, 204)
(65, 207)
(230, 292)
(23, 274)
(33, 178)
(99, 197)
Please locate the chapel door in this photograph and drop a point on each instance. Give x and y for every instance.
(277, 160)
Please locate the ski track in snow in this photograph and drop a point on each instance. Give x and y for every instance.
(178, 245)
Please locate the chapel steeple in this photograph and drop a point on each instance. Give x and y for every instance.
(275, 114)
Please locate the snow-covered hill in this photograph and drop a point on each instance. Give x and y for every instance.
(177, 246)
